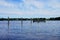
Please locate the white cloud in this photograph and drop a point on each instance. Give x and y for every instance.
(31, 7)
(35, 3)
(6, 4)
(10, 12)
(54, 4)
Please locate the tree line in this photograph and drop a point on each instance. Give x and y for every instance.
(35, 19)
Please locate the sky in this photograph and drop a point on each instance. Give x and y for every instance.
(29, 8)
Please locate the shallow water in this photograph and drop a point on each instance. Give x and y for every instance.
(28, 30)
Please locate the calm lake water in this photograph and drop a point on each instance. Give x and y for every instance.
(28, 30)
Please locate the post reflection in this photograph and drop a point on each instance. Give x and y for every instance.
(21, 23)
(8, 30)
(39, 21)
(8, 25)
(31, 23)
(21, 28)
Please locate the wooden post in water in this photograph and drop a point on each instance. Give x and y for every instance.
(8, 28)
(21, 24)
(8, 22)
(8, 25)
(31, 21)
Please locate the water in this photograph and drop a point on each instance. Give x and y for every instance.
(28, 30)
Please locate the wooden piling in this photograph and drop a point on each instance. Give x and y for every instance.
(8, 28)
(8, 21)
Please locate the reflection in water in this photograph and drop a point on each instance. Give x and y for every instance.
(31, 22)
(39, 21)
(8, 24)
(21, 23)
(8, 31)
(30, 30)
(21, 28)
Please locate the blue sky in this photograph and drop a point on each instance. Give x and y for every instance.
(29, 8)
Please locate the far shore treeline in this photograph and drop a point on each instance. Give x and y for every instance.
(35, 19)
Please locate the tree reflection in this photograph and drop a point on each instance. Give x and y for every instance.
(39, 21)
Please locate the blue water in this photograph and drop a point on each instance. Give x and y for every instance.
(28, 30)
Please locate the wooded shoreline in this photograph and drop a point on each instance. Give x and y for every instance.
(34, 19)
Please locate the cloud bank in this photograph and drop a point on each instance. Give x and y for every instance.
(30, 8)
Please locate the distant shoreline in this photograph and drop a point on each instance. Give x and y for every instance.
(34, 19)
